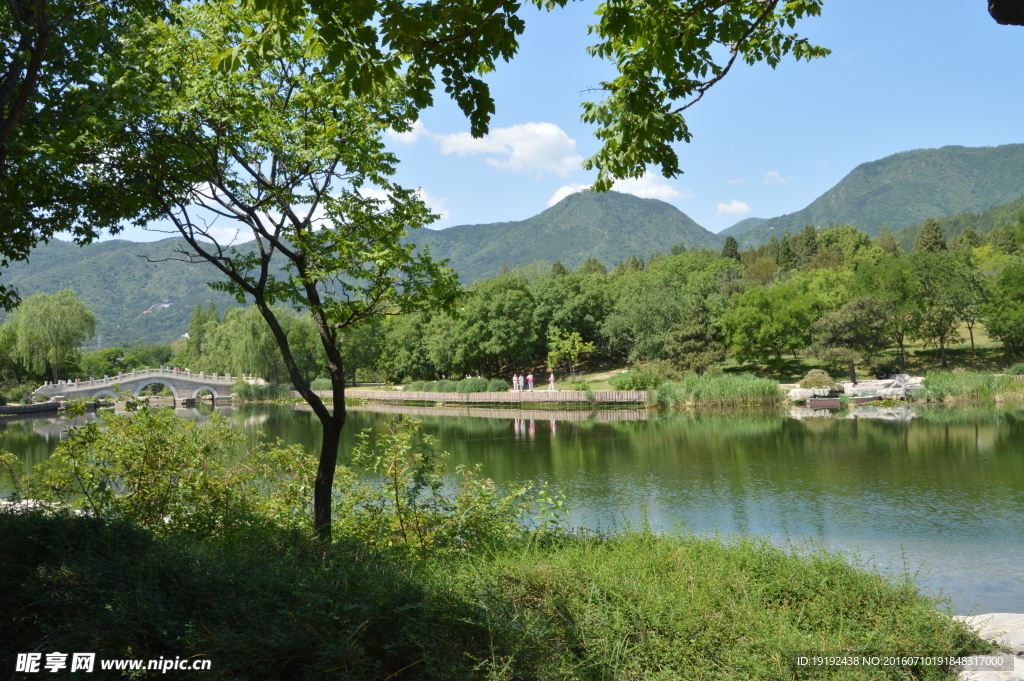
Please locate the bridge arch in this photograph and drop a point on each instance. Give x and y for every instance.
(213, 391)
(106, 393)
(146, 383)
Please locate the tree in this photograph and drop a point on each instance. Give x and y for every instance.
(1004, 309)
(967, 239)
(592, 266)
(858, 327)
(49, 330)
(558, 270)
(897, 289)
(930, 240)
(786, 259)
(765, 323)
(944, 296)
(667, 55)
(886, 241)
(568, 347)
(56, 172)
(1002, 238)
(279, 151)
(731, 250)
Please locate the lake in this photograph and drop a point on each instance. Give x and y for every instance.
(937, 491)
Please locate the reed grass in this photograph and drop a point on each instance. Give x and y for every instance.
(724, 390)
(948, 386)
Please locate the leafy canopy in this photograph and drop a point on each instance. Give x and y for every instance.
(667, 53)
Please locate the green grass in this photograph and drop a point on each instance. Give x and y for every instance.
(270, 604)
(719, 391)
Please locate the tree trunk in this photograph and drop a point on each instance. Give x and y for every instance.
(323, 487)
(853, 372)
(970, 330)
(942, 351)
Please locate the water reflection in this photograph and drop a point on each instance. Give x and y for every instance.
(943, 490)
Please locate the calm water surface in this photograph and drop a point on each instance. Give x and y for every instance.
(941, 494)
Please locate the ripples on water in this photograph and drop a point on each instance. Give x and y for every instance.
(942, 493)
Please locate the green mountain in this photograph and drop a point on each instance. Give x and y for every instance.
(742, 227)
(125, 290)
(907, 188)
(954, 225)
(610, 227)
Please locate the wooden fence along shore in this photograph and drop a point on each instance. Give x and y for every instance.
(498, 413)
(507, 397)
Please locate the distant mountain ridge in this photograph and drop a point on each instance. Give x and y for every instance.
(609, 226)
(907, 188)
(742, 227)
(124, 289)
(953, 226)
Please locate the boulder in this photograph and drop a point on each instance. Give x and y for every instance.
(1005, 629)
(801, 394)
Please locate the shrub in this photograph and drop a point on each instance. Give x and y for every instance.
(445, 386)
(636, 379)
(472, 385)
(817, 378)
(671, 394)
(1016, 370)
(170, 474)
(416, 386)
(321, 384)
(496, 385)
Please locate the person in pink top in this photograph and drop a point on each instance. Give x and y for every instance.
(529, 379)
(551, 381)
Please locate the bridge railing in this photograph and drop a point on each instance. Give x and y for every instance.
(143, 373)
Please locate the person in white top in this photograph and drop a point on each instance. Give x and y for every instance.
(551, 381)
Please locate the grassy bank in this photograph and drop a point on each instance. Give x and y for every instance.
(271, 604)
(719, 391)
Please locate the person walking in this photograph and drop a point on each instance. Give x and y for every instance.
(529, 379)
(551, 381)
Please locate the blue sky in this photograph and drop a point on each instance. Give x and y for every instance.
(903, 74)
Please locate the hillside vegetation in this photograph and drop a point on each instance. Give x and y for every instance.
(609, 227)
(119, 284)
(953, 226)
(907, 188)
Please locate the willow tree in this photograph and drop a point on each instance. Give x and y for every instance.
(48, 330)
(279, 180)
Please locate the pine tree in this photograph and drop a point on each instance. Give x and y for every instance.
(886, 241)
(810, 241)
(731, 249)
(211, 314)
(930, 239)
(592, 266)
(196, 332)
(1001, 238)
(786, 259)
(968, 239)
(558, 270)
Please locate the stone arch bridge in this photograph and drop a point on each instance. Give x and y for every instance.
(182, 383)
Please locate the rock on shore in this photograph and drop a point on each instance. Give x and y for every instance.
(1006, 630)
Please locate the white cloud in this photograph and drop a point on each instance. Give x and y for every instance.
(436, 204)
(647, 187)
(772, 177)
(410, 137)
(565, 191)
(651, 186)
(734, 207)
(739, 180)
(538, 148)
